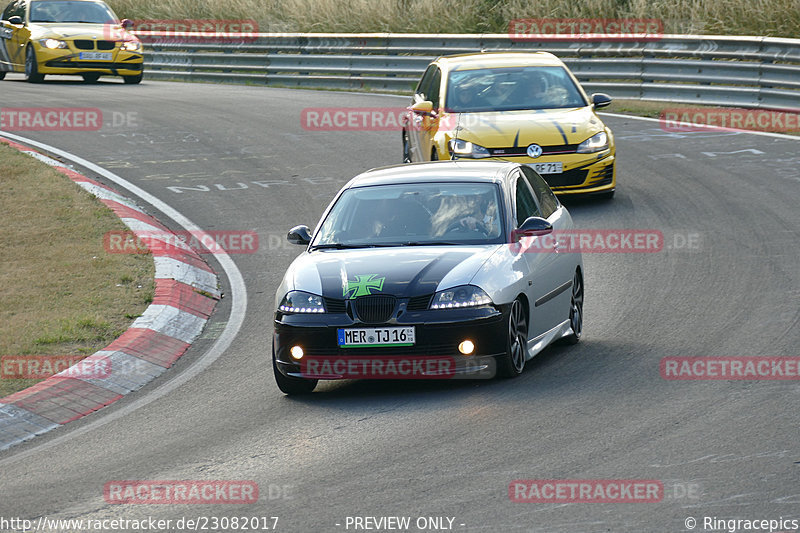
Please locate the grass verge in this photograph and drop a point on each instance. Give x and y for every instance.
(779, 18)
(63, 294)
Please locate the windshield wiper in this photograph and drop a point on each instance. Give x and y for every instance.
(431, 243)
(343, 246)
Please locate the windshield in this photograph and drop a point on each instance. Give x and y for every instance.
(68, 11)
(414, 214)
(507, 89)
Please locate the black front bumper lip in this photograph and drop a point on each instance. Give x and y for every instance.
(438, 334)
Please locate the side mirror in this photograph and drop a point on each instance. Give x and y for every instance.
(600, 100)
(423, 108)
(127, 24)
(16, 19)
(299, 235)
(532, 227)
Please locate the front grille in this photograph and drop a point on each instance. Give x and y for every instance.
(106, 45)
(419, 303)
(334, 306)
(604, 181)
(374, 309)
(84, 44)
(523, 150)
(565, 179)
(603, 177)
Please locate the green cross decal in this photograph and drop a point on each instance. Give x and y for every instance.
(363, 285)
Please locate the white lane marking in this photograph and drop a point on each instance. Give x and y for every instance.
(235, 321)
(711, 128)
(745, 151)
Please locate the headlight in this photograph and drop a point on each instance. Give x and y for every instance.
(301, 302)
(131, 46)
(461, 296)
(461, 148)
(596, 143)
(52, 44)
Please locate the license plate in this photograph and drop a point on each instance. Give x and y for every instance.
(370, 337)
(96, 56)
(547, 168)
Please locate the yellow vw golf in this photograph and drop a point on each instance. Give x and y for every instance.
(84, 37)
(522, 107)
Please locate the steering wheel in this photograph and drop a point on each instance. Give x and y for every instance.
(457, 226)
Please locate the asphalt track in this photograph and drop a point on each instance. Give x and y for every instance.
(726, 284)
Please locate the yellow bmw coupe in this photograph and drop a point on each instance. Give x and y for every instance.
(522, 107)
(84, 37)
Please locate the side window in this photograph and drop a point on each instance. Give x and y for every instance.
(547, 200)
(8, 12)
(526, 205)
(435, 88)
(425, 82)
(430, 84)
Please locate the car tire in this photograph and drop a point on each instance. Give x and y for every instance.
(32, 67)
(2, 74)
(289, 385)
(90, 77)
(406, 148)
(512, 363)
(131, 80)
(575, 310)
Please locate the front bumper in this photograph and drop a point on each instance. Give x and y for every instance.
(580, 176)
(438, 334)
(67, 61)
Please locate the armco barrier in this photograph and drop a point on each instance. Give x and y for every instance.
(757, 72)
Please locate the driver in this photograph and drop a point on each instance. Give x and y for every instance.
(483, 216)
(535, 92)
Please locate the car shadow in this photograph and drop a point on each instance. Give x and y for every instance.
(558, 370)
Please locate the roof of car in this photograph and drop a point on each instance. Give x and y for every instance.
(469, 171)
(499, 59)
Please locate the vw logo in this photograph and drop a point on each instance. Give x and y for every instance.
(534, 151)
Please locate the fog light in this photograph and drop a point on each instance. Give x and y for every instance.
(297, 352)
(466, 347)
